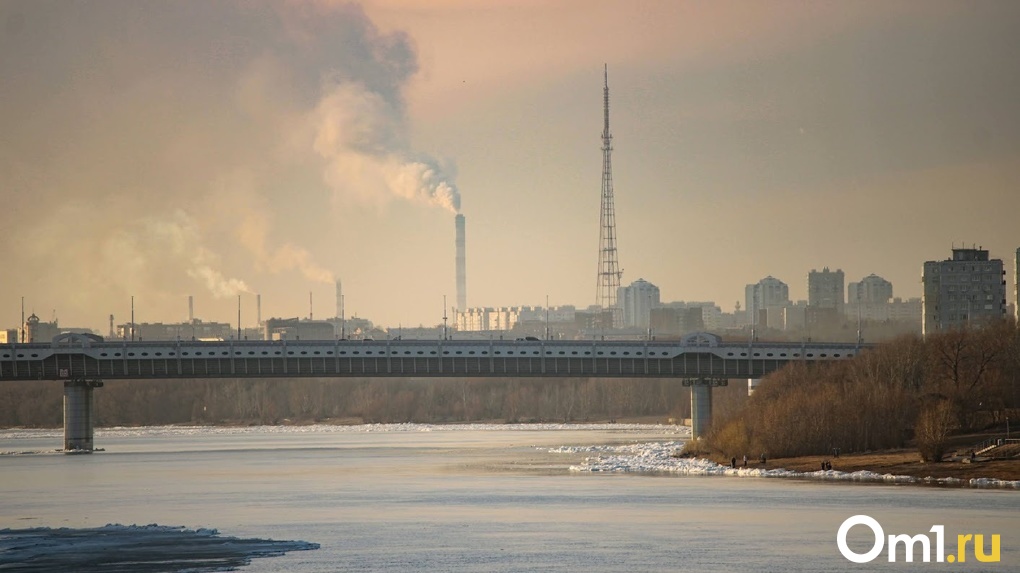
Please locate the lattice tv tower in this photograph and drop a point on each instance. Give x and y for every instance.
(609, 267)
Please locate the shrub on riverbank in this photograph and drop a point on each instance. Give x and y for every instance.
(956, 380)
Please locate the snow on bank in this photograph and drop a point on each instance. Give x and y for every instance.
(136, 548)
(659, 458)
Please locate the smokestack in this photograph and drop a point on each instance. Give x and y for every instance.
(461, 272)
(191, 309)
(258, 309)
(339, 299)
(311, 315)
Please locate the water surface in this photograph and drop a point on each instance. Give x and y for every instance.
(485, 499)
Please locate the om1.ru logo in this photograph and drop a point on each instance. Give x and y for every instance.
(909, 543)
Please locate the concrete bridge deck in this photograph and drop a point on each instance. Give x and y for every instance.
(700, 360)
(704, 356)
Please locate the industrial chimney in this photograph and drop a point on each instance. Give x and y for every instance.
(461, 273)
(340, 300)
(191, 309)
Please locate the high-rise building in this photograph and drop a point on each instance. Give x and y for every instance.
(869, 298)
(637, 301)
(825, 289)
(872, 289)
(765, 302)
(966, 290)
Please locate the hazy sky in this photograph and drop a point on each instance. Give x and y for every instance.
(164, 149)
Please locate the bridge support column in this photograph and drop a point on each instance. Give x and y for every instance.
(701, 409)
(752, 384)
(79, 415)
(701, 403)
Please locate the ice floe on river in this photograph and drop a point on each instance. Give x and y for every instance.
(665, 457)
(133, 548)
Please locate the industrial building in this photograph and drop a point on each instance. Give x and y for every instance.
(35, 330)
(193, 330)
(298, 329)
(966, 290)
(506, 319)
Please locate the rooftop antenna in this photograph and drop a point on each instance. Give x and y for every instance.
(609, 271)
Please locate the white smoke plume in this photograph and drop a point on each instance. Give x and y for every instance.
(120, 132)
(253, 225)
(175, 240)
(358, 133)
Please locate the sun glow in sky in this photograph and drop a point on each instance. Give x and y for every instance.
(165, 149)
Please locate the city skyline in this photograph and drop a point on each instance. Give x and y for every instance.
(297, 143)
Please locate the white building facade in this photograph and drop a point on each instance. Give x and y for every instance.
(869, 298)
(766, 302)
(637, 301)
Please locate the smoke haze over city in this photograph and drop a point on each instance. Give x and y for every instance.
(166, 149)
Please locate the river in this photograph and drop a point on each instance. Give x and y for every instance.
(475, 498)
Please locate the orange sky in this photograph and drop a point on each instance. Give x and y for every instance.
(166, 150)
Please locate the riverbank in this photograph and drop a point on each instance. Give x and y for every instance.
(901, 466)
(905, 463)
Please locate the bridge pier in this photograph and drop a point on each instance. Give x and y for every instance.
(79, 415)
(701, 410)
(752, 385)
(701, 403)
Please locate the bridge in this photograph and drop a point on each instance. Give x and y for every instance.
(699, 360)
